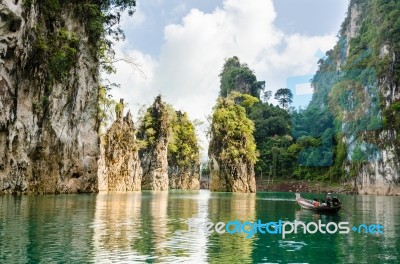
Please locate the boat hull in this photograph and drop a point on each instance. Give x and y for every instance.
(308, 205)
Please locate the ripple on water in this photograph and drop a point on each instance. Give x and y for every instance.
(149, 227)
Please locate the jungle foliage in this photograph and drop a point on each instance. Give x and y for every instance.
(232, 141)
(161, 121)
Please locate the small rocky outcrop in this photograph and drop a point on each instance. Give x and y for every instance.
(183, 155)
(119, 165)
(186, 179)
(232, 149)
(227, 177)
(155, 131)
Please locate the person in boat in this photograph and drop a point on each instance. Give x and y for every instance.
(329, 199)
(335, 201)
(316, 202)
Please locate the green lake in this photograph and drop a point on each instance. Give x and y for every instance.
(152, 227)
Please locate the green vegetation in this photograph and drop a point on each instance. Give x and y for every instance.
(232, 131)
(272, 135)
(57, 46)
(313, 143)
(317, 142)
(183, 148)
(284, 96)
(162, 122)
(156, 122)
(101, 18)
(56, 54)
(349, 100)
(236, 76)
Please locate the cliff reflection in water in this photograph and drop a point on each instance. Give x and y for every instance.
(117, 220)
(225, 208)
(154, 226)
(368, 209)
(46, 229)
(146, 225)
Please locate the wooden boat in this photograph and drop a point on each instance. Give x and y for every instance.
(308, 205)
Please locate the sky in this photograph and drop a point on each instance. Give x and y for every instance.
(180, 46)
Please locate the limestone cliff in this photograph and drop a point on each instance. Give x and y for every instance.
(380, 175)
(183, 155)
(119, 165)
(155, 131)
(184, 178)
(232, 149)
(48, 100)
(363, 70)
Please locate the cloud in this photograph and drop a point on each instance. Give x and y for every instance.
(193, 52)
(135, 79)
(136, 20)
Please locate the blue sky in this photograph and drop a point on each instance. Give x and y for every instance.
(181, 45)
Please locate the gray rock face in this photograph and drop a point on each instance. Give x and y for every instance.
(381, 176)
(119, 165)
(48, 130)
(154, 156)
(184, 178)
(232, 177)
(155, 169)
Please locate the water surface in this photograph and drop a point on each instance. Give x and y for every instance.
(152, 227)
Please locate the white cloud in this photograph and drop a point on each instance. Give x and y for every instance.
(191, 57)
(135, 80)
(136, 20)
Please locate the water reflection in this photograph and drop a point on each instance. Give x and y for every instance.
(152, 227)
(374, 210)
(14, 216)
(226, 208)
(308, 215)
(147, 226)
(44, 229)
(116, 221)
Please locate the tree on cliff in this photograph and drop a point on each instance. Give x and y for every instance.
(156, 122)
(232, 149)
(155, 130)
(236, 76)
(183, 154)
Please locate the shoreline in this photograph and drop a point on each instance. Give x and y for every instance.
(293, 185)
(276, 185)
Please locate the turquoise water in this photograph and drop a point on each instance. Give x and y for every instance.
(152, 227)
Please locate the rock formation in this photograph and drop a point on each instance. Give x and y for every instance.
(364, 68)
(155, 131)
(185, 178)
(48, 101)
(183, 155)
(232, 149)
(119, 165)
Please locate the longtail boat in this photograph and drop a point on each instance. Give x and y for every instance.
(322, 208)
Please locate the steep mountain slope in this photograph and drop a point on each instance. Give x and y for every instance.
(48, 99)
(358, 82)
